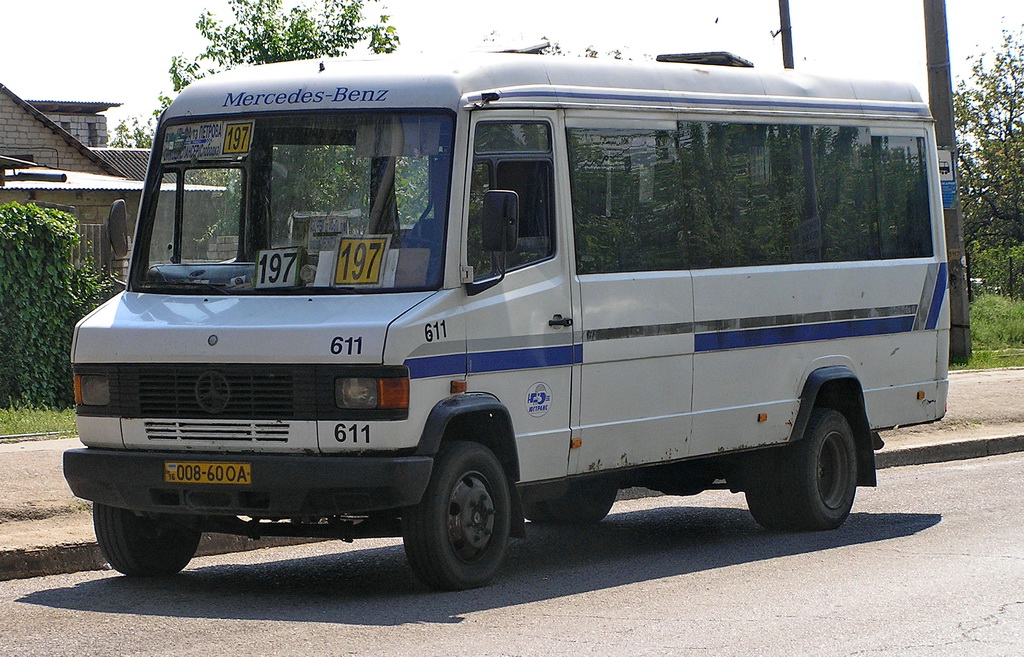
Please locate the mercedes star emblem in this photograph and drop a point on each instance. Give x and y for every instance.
(212, 391)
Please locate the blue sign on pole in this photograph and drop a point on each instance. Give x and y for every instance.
(947, 179)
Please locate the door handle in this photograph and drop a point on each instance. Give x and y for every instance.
(558, 320)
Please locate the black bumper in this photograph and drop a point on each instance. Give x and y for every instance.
(284, 486)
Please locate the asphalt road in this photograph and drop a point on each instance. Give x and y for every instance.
(930, 563)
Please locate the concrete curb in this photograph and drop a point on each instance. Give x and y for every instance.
(949, 451)
(66, 558)
(74, 557)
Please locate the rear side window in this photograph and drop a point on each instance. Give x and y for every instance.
(709, 195)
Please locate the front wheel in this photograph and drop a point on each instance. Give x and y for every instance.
(810, 484)
(142, 546)
(455, 537)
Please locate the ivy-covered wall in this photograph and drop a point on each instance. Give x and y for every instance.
(42, 296)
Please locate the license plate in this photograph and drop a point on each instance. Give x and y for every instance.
(207, 472)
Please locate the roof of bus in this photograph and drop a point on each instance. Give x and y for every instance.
(515, 80)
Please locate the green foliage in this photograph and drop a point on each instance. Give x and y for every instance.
(42, 296)
(263, 34)
(990, 117)
(997, 333)
(27, 420)
(134, 132)
(997, 322)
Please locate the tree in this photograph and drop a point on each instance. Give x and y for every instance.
(133, 133)
(263, 33)
(990, 117)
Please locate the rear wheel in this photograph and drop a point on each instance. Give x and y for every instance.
(810, 484)
(142, 546)
(584, 503)
(455, 537)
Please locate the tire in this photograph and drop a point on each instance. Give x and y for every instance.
(584, 503)
(455, 538)
(809, 485)
(140, 546)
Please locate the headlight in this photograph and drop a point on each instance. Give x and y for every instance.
(92, 390)
(361, 392)
(356, 392)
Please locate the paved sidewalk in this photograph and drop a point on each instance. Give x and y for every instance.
(45, 530)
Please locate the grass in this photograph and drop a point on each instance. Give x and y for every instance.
(25, 420)
(997, 333)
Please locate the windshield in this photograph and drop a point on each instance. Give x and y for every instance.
(299, 203)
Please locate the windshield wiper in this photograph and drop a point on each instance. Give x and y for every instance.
(193, 285)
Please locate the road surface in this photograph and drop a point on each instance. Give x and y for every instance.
(930, 563)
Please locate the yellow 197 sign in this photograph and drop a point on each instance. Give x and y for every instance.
(237, 137)
(361, 259)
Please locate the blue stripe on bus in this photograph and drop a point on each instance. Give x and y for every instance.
(766, 337)
(494, 361)
(447, 365)
(520, 359)
(534, 358)
(937, 296)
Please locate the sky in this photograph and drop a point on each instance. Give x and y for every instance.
(119, 51)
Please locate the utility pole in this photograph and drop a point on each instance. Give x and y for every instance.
(940, 99)
(786, 30)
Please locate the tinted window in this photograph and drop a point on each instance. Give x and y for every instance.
(728, 195)
(514, 157)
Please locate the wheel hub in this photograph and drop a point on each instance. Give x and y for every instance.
(833, 471)
(470, 516)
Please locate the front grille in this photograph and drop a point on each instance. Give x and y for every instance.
(274, 432)
(219, 391)
(246, 392)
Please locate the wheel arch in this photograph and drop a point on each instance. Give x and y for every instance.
(837, 387)
(480, 418)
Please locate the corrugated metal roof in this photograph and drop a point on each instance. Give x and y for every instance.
(132, 162)
(73, 181)
(71, 106)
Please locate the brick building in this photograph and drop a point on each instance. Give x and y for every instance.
(43, 162)
(28, 134)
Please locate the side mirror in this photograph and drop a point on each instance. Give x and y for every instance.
(500, 221)
(117, 228)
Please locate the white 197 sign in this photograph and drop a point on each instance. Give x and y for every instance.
(278, 267)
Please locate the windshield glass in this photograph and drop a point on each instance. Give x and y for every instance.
(300, 203)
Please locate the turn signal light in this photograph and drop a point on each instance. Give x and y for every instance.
(393, 393)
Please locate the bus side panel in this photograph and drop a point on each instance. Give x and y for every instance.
(634, 383)
(759, 332)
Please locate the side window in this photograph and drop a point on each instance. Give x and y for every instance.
(710, 195)
(513, 156)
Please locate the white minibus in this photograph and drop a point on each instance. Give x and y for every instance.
(437, 297)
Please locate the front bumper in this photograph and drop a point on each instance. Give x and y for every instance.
(283, 486)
